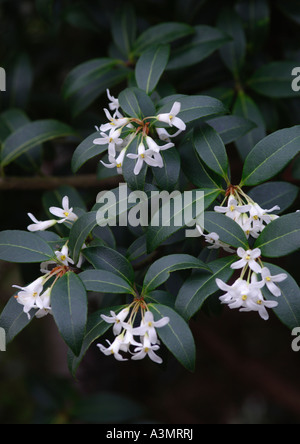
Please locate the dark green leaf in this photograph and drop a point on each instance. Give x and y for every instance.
(168, 176)
(211, 149)
(124, 28)
(136, 103)
(270, 194)
(271, 155)
(200, 286)
(135, 182)
(13, 319)
(246, 107)
(86, 151)
(274, 80)
(69, 308)
(168, 220)
(233, 53)
(163, 33)
(80, 232)
(159, 272)
(102, 281)
(176, 335)
(228, 230)
(231, 128)
(204, 43)
(23, 247)
(31, 135)
(288, 310)
(104, 258)
(281, 237)
(95, 328)
(196, 108)
(151, 66)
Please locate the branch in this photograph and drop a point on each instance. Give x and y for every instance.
(50, 183)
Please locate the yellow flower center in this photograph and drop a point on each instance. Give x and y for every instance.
(66, 213)
(248, 258)
(143, 156)
(63, 258)
(259, 302)
(146, 349)
(244, 298)
(119, 165)
(232, 208)
(268, 279)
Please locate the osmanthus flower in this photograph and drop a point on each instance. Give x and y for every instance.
(148, 327)
(152, 145)
(171, 118)
(214, 240)
(65, 213)
(116, 162)
(40, 225)
(63, 256)
(114, 104)
(115, 122)
(248, 258)
(46, 300)
(149, 157)
(234, 209)
(270, 280)
(126, 331)
(112, 139)
(117, 320)
(30, 296)
(147, 349)
(114, 348)
(246, 296)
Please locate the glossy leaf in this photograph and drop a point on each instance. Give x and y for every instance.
(31, 135)
(200, 286)
(228, 230)
(288, 310)
(163, 33)
(271, 155)
(176, 335)
(186, 213)
(168, 176)
(13, 319)
(150, 67)
(281, 237)
(274, 80)
(123, 27)
(104, 258)
(270, 194)
(211, 149)
(24, 247)
(102, 281)
(136, 103)
(159, 272)
(80, 232)
(204, 43)
(86, 151)
(69, 308)
(231, 128)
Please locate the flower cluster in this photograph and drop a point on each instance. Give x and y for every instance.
(247, 294)
(125, 332)
(37, 295)
(120, 131)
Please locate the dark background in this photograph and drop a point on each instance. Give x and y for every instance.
(246, 370)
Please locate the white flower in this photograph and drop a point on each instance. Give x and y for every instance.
(30, 296)
(116, 162)
(65, 213)
(248, 258)
(114, 122)
(114, 348)
(117, 320)
(148, 326)
(111, 140)
(259, 215)
(165, 136)
(40, 226)
(147, 349)
(114, 103)
(233, 210)
(46, 309)
(214, 240)
(150, 157)
(269, 281)
(63, 256)
(171, 117)
(260, 305)
(152, 145)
